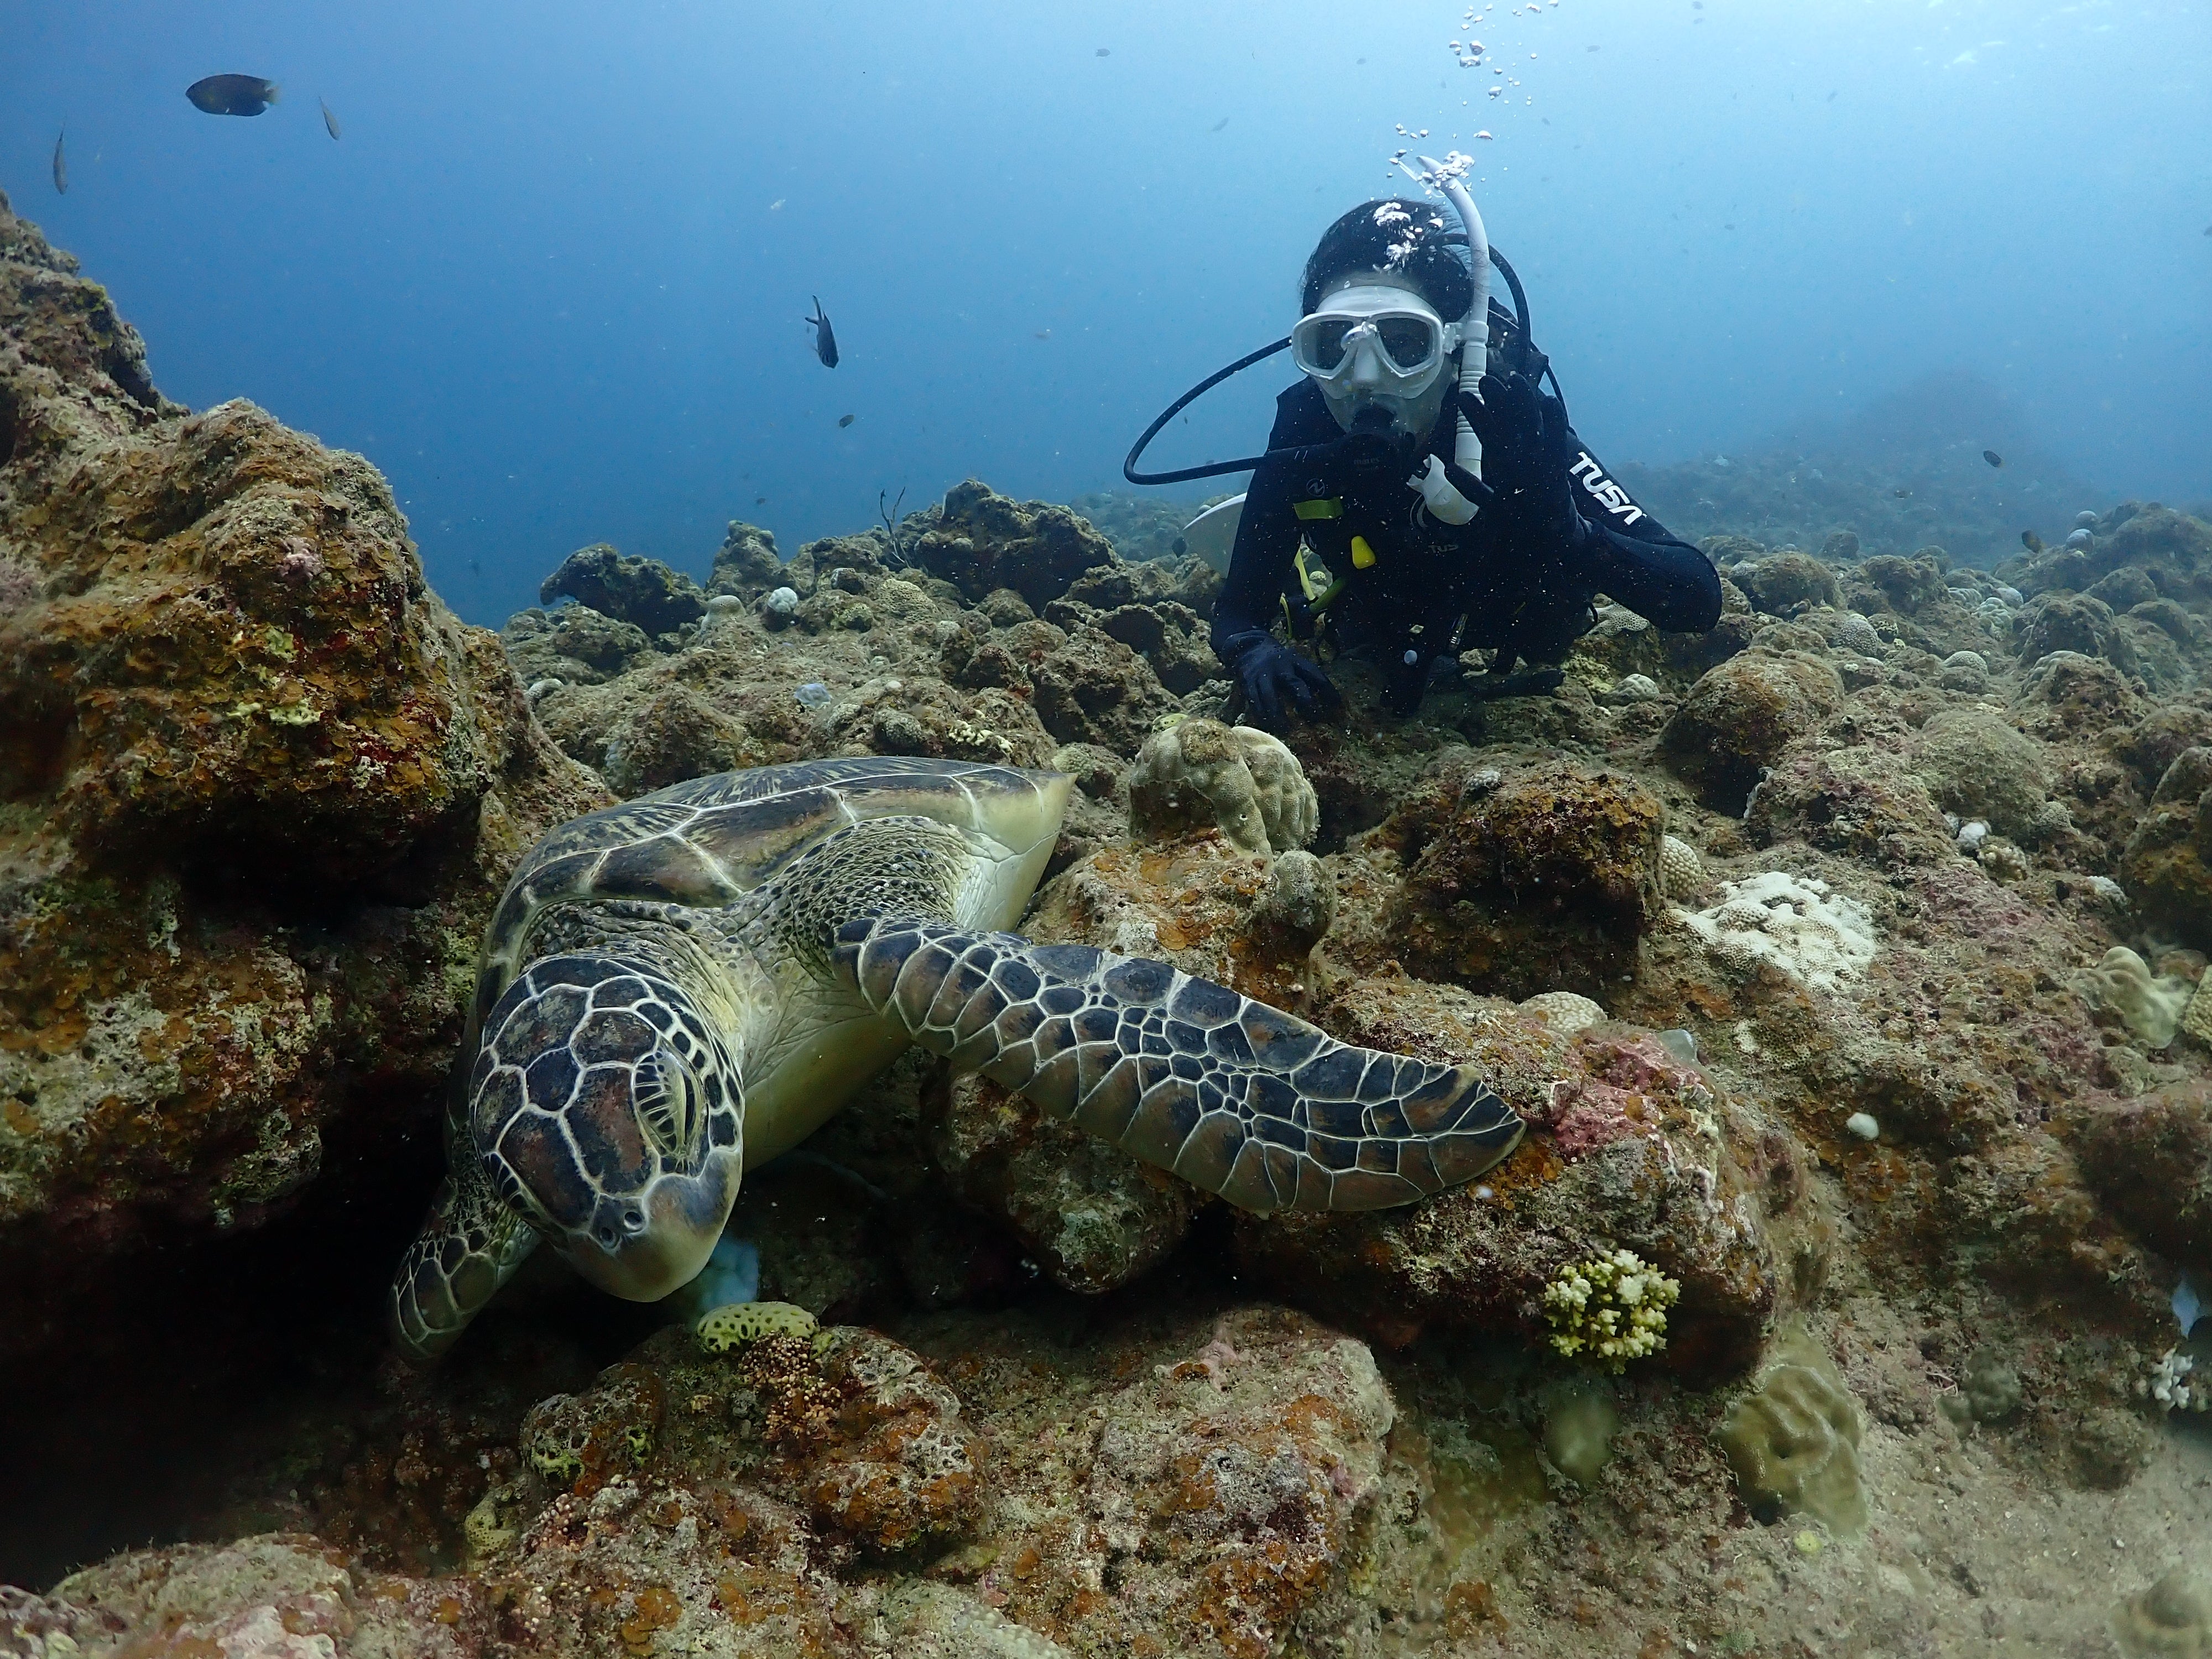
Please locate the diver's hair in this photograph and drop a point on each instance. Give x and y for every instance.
(1418, 241)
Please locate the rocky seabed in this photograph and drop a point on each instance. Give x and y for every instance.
(1844, 965)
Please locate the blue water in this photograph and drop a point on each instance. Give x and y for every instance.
(551, 279)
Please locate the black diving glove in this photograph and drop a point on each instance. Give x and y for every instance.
(1274, 678)
(1528, 451)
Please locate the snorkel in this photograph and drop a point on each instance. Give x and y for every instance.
(1448, 177)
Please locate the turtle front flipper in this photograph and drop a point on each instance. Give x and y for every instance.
(469, 1245)
(1233, 1096)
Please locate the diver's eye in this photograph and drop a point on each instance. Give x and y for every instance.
(664, 1093)
(1408, 340)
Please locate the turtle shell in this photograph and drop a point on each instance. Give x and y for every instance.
(708, 841)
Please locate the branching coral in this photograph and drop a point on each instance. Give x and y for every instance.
(1609, 1310)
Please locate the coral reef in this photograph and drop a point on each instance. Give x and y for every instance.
(1845, 966)
(643, 593)
(260, 788)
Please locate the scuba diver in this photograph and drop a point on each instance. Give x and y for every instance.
(1422, 494)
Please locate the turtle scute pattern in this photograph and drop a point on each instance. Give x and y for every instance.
(1231, 1095)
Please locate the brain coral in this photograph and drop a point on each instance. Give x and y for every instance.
(1793, 1441)
(1235, 778)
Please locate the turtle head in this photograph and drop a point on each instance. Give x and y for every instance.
(606, 1109)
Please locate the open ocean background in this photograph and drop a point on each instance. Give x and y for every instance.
(551, 279)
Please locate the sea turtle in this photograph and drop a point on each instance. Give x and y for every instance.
(679, 988)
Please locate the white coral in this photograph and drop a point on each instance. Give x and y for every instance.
(1821, 939)
(1681, 871)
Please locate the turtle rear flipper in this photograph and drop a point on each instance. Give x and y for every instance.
(1233, 1096)
(469, 1245)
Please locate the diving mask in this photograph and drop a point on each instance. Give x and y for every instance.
(1373, 339)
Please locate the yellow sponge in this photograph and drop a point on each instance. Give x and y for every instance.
(740, 1322)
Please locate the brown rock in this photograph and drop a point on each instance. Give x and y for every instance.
(1863, 802)
(2167, 866)
(1544, 883)
(1091, 1215)
(1739, 719)
(1787, 582)
(2150, 1160)
(1628, 1148)
(980, 541)
(1094, 688)
(262, 788)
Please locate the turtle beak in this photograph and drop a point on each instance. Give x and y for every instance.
(643, 1249)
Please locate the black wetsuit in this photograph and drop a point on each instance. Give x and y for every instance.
(1526, 596)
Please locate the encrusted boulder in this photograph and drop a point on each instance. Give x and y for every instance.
(1540, 879)
(1788, 582)
(642, 591)
(2167, 866)
(747, 564)
(1979, 766)
(2073, 622)
(2151, 1162)
(1863, 802)
(1739, 718)
(1629, 1147)
(1907, 586)
(263, 788)
(574, 645)
(981, 540)
(1094, 688)
(1091, 1216)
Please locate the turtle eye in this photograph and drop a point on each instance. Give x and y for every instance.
(665, 1094)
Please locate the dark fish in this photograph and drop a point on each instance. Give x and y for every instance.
(760, 501)
(825, 338)
(61, 165)
(233, 94)
(1993, 457)
(1218, 126)
(1104, 52)
(330, 121)
(1179, 547)
(844, 420)
(1900, 493)
(2031, 541)
(2208, 230)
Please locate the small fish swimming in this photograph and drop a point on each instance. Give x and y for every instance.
(825, 338)
(61, 165)
(1104, 53)
(1218, 126)
(1900, 492)
(760, 501)
(233, 94)
(330, 121)
(1993, 457)
(845, 420)
(2031, 541)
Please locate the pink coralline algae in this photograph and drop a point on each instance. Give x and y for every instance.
(301, 561)
(1620, 1096)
